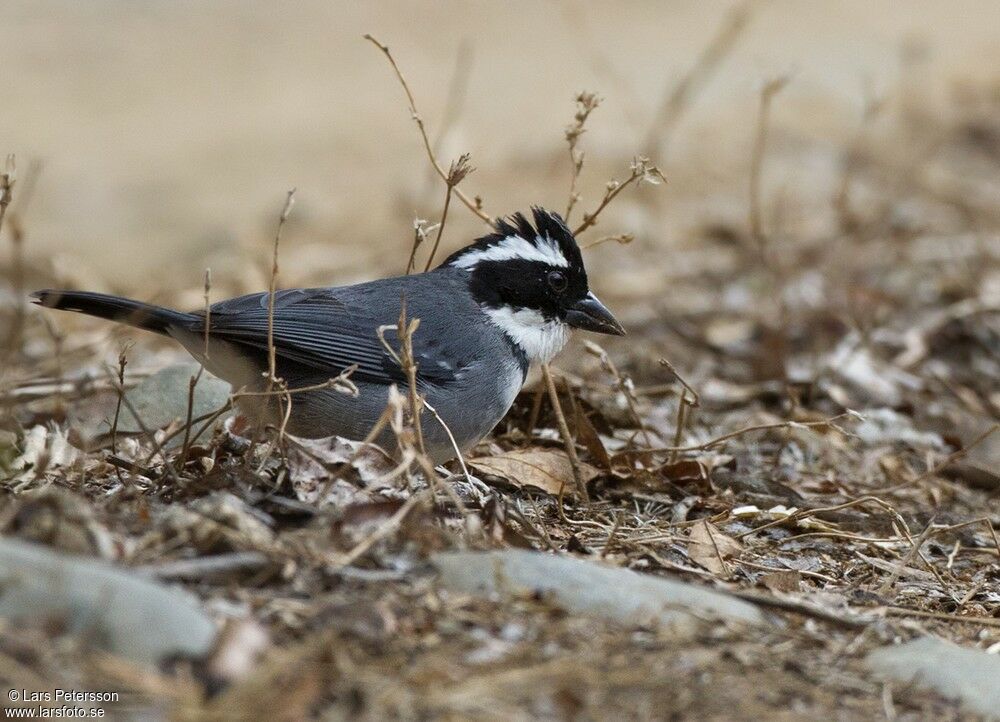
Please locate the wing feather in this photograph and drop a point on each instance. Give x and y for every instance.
(323, 330)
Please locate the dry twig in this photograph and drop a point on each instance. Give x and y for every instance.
(951, 458)
(642, 171)
(390, 525)
(570, 445)
(622, 239)
(404, 358)
(586, 103)
(827, 423)
(624, 384)
(770, 89)
(272, 289)
(457, 171)
(473, 205)
(185, 447)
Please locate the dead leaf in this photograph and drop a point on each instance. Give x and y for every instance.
(684, 470)
(782, 581)
(709, 547)
(60, 519)
(43, 449)
(544, 469)
(313, 464)
(589, 437)
(238, 647)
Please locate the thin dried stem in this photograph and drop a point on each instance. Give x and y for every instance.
(409, 364)
(905, 561)
(186, 446)
(574, 460)
(807, 513)
(625, 387)
(933, 471)
(197, 377)
(457, 171)
(612, 535)
(12, 342)
(341, 382)
(122, 362)
(420, 231)
(404, 332)
(770, 89)
(208, 309)
(272, 288)
(7, 180)
(682, 406)
(586, 103)
(58, 339)
(695, 398)
(622, 239)
(980, 520)
(147, 432)
(473, 205)
(536, 410)
(390, 525)
(829, 423)
(454, 444)
(642, 171)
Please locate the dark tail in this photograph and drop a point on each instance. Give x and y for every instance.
(115, 308)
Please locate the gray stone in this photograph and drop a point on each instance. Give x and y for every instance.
(118, 611)
(968, 675)
(619, 595)
(163, 398)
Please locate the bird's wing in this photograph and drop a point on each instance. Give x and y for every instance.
(324, 329)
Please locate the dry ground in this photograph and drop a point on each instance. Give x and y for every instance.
(826, 282)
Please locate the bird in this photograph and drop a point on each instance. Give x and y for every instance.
(489, 311)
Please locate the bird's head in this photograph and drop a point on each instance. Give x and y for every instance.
(531, 282)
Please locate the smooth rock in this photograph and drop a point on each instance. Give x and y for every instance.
(968, 675)
(118, 611)
(163, 398)
(616, 594)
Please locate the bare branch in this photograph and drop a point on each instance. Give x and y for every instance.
(474, 205)
(7, 180)
(457, 172)
(586, 103)
(768, 91)
(570, 445)
(622, 239)
(271, 359)
(642, 171)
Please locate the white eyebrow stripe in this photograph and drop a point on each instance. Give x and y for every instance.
(544, 250)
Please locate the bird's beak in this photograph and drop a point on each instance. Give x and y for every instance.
(590, 314)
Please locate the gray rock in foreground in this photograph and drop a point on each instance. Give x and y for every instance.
(968, 675)
(119, 611)
(576, 585)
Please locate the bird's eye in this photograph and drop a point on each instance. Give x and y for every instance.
(557, 281)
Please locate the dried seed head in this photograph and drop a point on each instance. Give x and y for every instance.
(458, 170)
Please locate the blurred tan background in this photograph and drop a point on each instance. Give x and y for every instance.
(168, 132)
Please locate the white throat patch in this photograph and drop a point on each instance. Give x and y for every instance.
(544, 249)
(540, 340)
